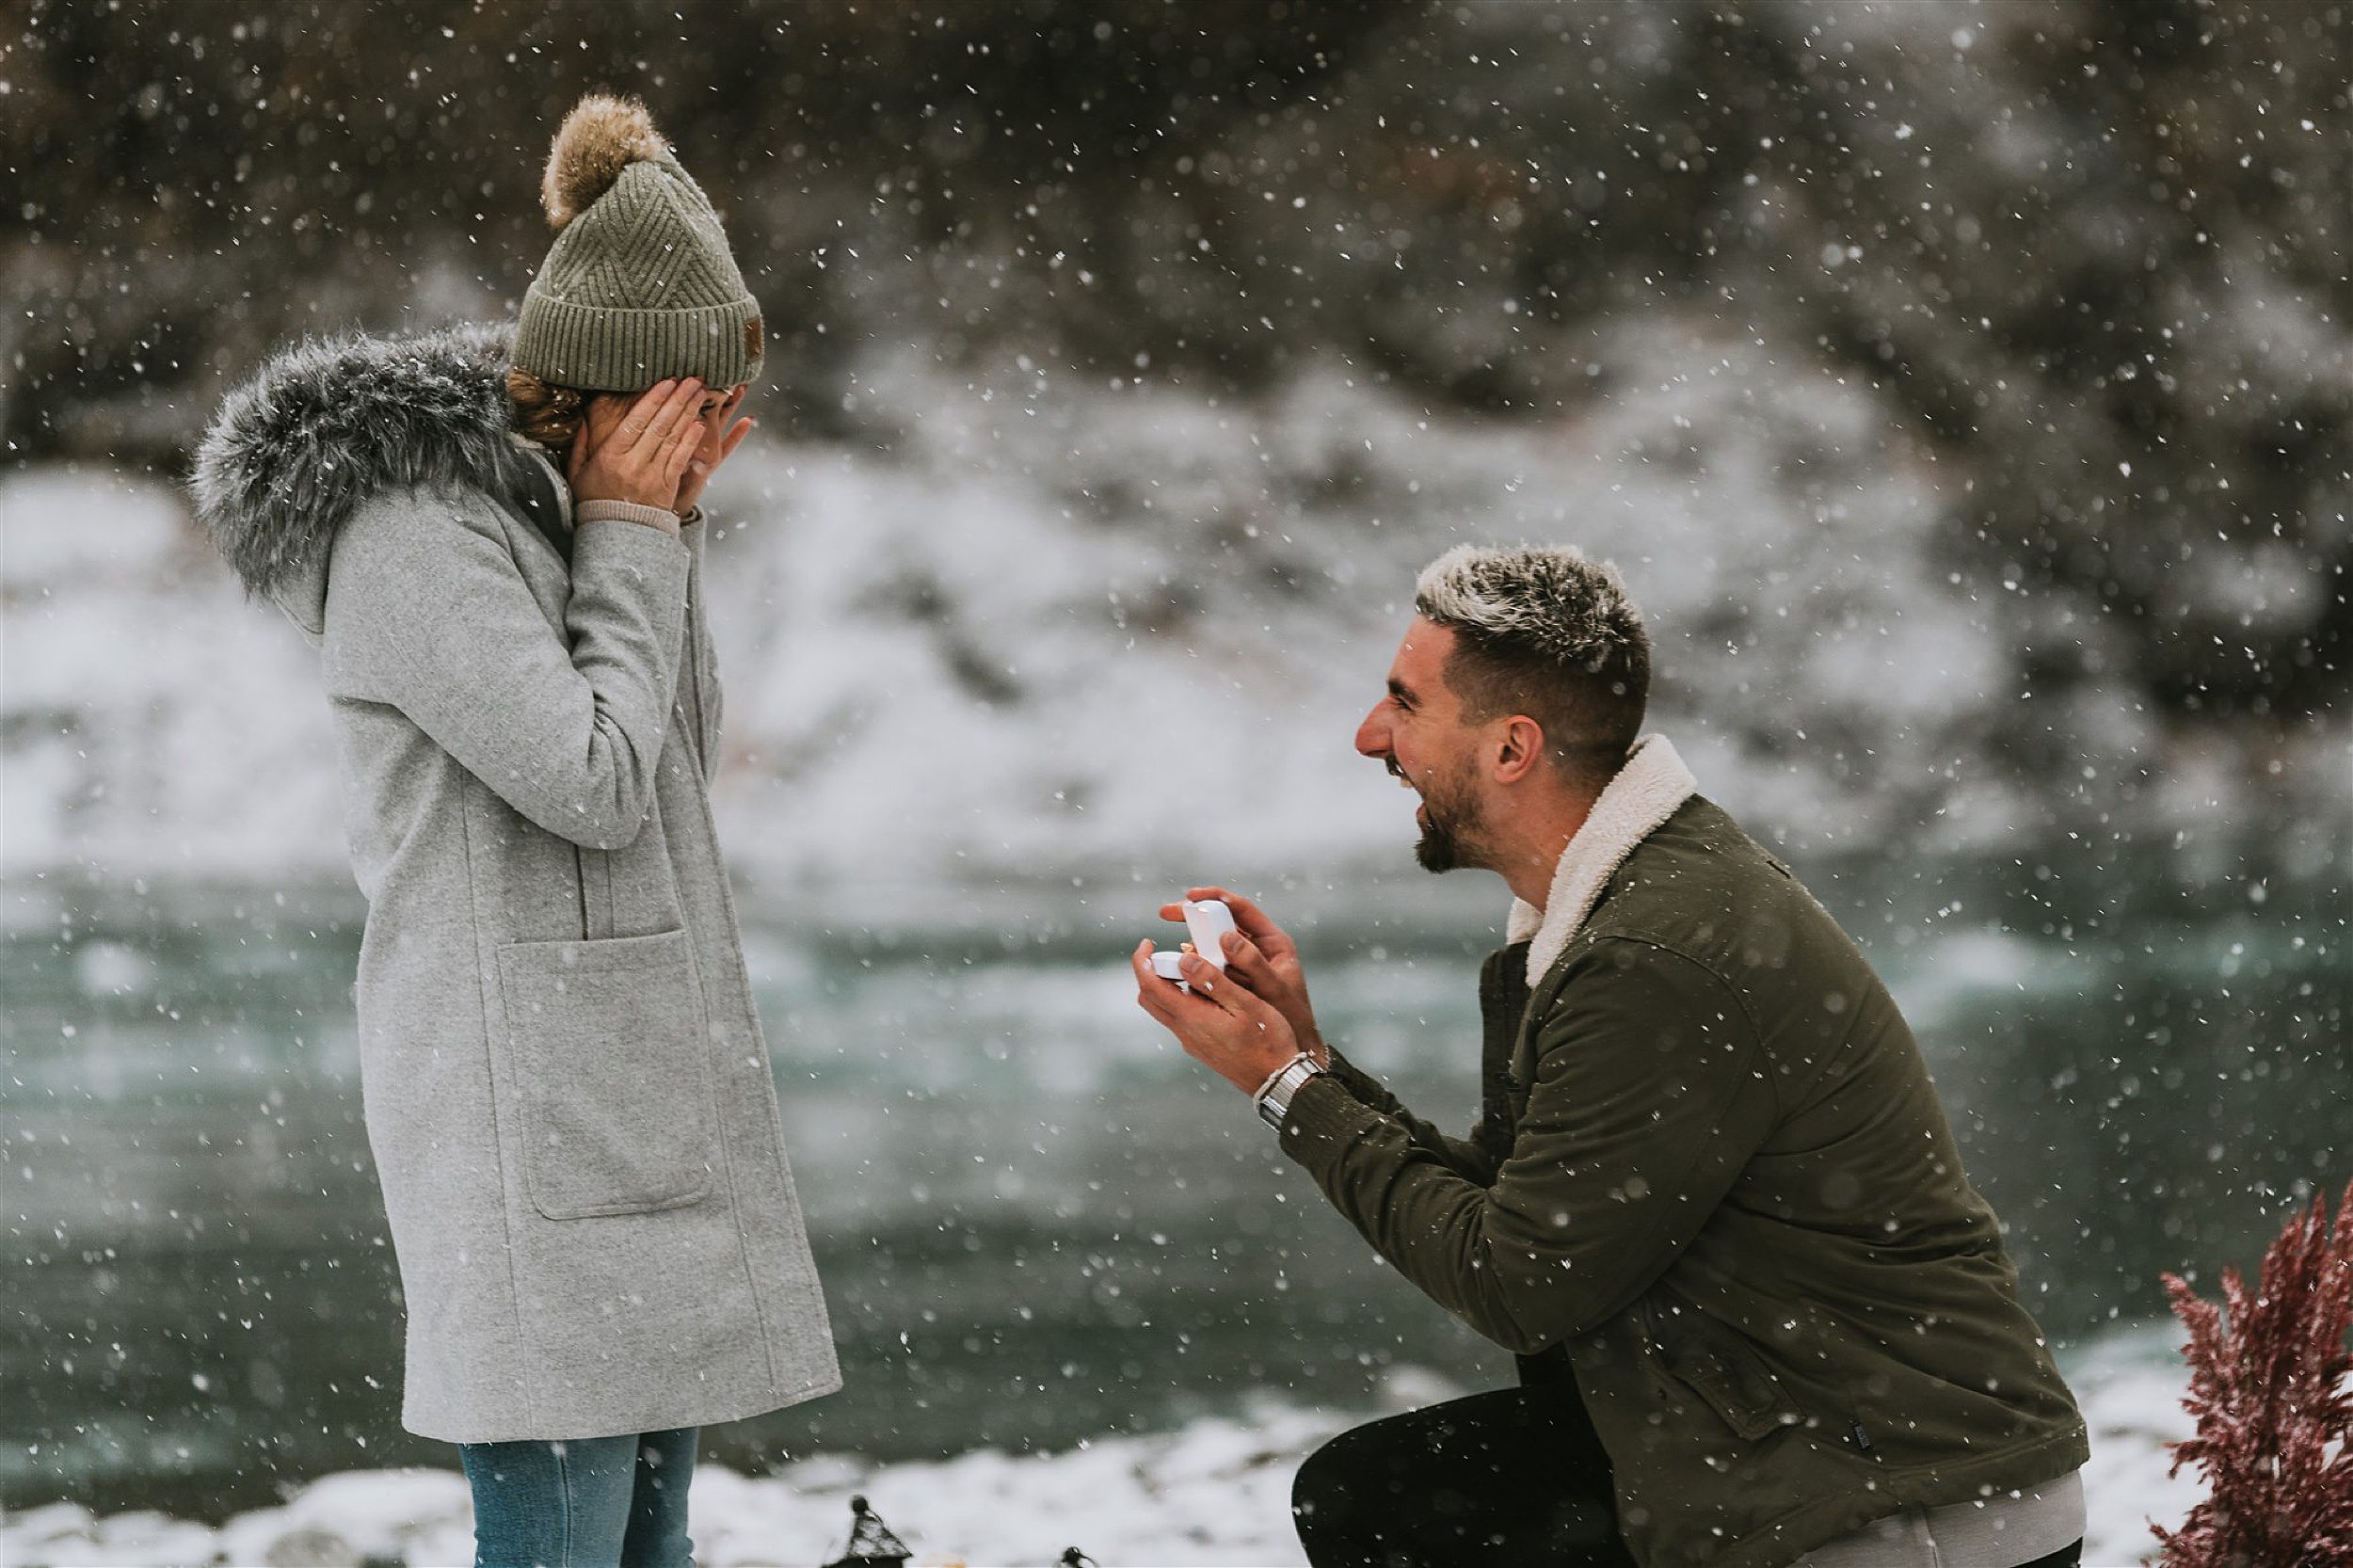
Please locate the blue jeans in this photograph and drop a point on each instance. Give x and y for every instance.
(596, 1502)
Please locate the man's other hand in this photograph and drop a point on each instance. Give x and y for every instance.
(1263, 957)
(1237, 1036)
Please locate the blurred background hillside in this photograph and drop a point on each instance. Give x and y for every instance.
(1965, 390)
(2083, 268)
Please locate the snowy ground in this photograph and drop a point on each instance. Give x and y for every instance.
(1215, 1492)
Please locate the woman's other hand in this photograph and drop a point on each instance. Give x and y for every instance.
(719, 444)
(638, 450)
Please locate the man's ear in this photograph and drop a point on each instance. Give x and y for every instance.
(1519, 750)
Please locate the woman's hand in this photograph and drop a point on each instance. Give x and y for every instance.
(638, 451)
(719, 444)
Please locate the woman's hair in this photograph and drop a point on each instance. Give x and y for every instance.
(544, 411)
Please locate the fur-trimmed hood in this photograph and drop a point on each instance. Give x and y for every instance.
(324, 424)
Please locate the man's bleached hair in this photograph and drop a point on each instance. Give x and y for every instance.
(1542, 631)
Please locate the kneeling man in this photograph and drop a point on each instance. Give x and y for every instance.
(1711, 1202)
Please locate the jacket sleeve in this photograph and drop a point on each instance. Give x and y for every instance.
(1475, 1158)
(1650, 1094)
(428, 611)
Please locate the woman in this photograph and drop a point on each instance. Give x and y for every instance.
(566, 1087)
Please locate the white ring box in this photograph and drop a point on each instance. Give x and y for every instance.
(1206, 923)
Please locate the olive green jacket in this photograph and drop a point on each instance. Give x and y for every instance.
(1712, 1174)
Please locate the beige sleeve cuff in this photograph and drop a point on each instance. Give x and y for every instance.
(625, 511)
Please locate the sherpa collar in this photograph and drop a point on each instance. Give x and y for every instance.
(1652, 786)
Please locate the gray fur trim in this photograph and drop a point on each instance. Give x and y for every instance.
(327, 423)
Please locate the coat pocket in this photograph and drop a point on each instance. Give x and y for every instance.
(608, 1064)
(1716, 1363)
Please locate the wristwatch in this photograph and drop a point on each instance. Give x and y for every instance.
(1274, 1095)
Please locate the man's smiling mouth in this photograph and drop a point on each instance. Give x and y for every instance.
(1421, 802)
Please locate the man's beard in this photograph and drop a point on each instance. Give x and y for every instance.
(1451, 842)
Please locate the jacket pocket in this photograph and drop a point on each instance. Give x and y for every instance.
(608, 1064)
(1718, 1364)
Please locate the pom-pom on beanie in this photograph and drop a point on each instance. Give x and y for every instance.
(639, 285)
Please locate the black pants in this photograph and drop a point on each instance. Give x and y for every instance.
(1513, 1476)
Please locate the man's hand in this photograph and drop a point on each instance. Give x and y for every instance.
(1264, 958)
(640, 453)
(719, 444)
(1237, 1036)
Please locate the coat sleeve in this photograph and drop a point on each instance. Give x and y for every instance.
(428, 611)
(1650, 1096)
(1475, 1158)
(705, 653)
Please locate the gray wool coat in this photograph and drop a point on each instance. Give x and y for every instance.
(566, 1088)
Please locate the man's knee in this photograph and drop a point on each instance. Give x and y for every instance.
(1315, 1487)
(1345, 1468)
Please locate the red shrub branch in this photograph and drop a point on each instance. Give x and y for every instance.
(2269, 1387)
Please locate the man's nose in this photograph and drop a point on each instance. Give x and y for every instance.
(1372, 736)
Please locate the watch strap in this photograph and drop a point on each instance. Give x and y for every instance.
(1275, 1095)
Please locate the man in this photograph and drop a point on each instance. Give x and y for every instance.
(1711, 1202)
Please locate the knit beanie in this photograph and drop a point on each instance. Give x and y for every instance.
(639, 286)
